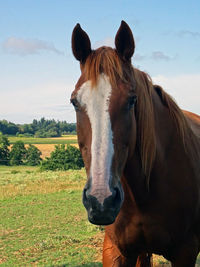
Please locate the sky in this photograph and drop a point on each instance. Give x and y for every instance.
(38, 71)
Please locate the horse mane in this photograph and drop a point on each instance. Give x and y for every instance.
(145, 119)
(106, 60)
(103, 60)
(176, 113)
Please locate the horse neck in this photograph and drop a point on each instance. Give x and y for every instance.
(168, 146)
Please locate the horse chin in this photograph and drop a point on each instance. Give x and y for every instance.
(103, 216)
(101, 220)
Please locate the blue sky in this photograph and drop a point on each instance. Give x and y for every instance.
(38, 71)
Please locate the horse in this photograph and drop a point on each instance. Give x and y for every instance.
(141, 154)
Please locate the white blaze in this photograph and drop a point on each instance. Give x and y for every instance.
(96, 102)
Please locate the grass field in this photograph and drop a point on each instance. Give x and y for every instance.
(69, 139)
(43, 222)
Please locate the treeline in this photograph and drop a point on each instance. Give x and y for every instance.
(38, 128)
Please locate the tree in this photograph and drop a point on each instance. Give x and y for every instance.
(63, 159)
(4, 150)
(33, 156)
(18, 153)
(8, 127)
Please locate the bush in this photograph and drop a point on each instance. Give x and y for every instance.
(40, 134)
(4, 150)
(24, 135)
(32, 157)
(18, 153)
(63, 159)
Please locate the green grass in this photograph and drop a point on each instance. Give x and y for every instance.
(198, 261)
(33, 140)
(43, 221)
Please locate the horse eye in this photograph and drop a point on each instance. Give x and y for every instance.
(131, 101)
(75, 103)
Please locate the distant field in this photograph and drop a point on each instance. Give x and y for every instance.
(46, 149)
(71, 139)
(67, 137)
(46, 145)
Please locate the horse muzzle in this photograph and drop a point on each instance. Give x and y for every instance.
(103, 213)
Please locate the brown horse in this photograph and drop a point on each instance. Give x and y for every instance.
(142, 158)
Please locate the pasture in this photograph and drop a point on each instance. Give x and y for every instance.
(43, 222)
(68, 139)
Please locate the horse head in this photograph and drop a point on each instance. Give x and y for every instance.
(104, 99)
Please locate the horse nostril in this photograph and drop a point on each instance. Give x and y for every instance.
(115, 193)
(118, 196)
(85, 198)
(84, 193)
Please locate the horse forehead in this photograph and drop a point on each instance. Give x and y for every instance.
(97, 97)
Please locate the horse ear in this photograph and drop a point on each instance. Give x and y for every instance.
(124, 41)
(81, 46)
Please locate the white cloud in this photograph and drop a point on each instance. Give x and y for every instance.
(138, 57)
(185, 89)
(108, 41)
(155, 55)
(52, 99)
(49, 100)
(23, 47)
(158, 55)
(187, 33)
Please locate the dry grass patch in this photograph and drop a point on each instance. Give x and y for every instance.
(66, 137)
(24, 182)
(45, 149)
